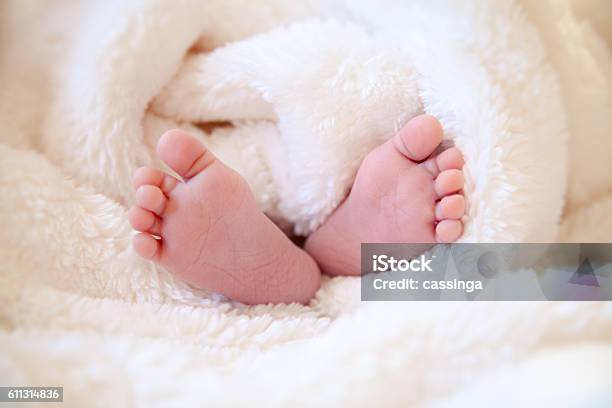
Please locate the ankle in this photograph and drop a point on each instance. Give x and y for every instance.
(336, 250)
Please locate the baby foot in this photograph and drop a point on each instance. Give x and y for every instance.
(209, 231)
(403, 193)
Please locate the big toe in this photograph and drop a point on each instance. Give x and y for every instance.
(183, 153)
(419, 138)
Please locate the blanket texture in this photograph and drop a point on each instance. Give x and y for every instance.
(293, 95)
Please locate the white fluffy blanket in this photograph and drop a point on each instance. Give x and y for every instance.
(293, 95)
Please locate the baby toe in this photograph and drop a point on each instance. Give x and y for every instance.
(154, 177)
(143, 220)
(419, 138)
(449, 182)
(450, 159)
(147, 175)
(146, 246)
(450, 207)
(151, 198)
(183, 153)
(448, 231)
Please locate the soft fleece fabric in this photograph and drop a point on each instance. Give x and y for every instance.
(522, 87)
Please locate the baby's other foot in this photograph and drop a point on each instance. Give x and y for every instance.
(209, 231)
(404, 192)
